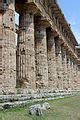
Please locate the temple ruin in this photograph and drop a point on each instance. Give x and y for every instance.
(47, 53)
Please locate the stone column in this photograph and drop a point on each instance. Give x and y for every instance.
(59, 65)
(41, 56)
(1, 51)
(52, 74)
(78, 80)
(8, 41)
(74, 76)
(69, 73)
(26, 52)
(78, 74)
(64, 62)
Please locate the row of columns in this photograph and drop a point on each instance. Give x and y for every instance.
(42, 60)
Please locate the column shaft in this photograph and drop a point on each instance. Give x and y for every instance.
(69, 73)
(72, 76)
(52, 74)
(41, 57)
(8, 42)
(64, 62)
(78, 76)
(26, 52)
(59, 66)
(75, 77)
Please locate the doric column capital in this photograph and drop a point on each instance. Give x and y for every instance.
(59, 40)
(65, 47)
(22, 7)
(50, 39)
(51, 32)
(41, 22)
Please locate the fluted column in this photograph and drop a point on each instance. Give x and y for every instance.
(41, 56)
(59, 65)
(69, 73)
(75, 76)
(26, 52)
(64, 62)
(78, 75)
(52, 74)
(7, 48)
(72, 76)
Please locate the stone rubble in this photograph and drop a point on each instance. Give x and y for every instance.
(38, 109)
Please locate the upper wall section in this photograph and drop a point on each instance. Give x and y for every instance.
(51, 8)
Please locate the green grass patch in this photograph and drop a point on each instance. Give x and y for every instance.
(61, 109)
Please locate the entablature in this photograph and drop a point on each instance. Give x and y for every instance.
(53, 14)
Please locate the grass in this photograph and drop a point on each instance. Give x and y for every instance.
(61, 109)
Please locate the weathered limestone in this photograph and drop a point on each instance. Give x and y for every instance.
(72, 75)
(0, 67)
(59, 65)
(38, 109)
(26, 52)
(75, 76)
(52, 73)
(78, 76)
(78, 67)
(46, 54)
(35, 110)
(8, 47)
(69, 74)
(64, 65)
(1, 51)
(41, 56)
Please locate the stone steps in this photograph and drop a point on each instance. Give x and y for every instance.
(21, 97)
(10, 101)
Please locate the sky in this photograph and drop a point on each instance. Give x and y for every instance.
(71, 11)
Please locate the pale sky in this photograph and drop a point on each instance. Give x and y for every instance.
(71, 10)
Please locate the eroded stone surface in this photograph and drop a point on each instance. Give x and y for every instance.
(42, 63)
